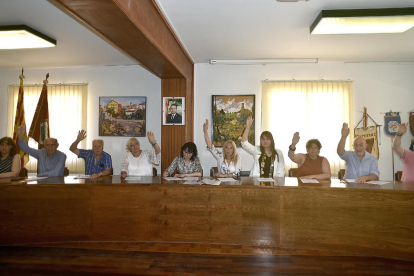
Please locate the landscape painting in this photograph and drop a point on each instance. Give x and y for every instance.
(122, 116)
(229, 118)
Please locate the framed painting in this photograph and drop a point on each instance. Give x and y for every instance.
(229, 114)
(122, 116)
(173, 112)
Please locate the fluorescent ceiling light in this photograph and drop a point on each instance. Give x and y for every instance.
(367, 21)
(262, 61)
(22, 36)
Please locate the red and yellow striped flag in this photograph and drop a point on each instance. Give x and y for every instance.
(20, 120)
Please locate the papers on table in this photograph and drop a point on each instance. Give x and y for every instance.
(350, 180)
(309, 180)
(133, 178)
(229, 179)
(172, 178)
(264, 179)
(82, 176)
(191, 178)
(378, 182)
(204, 181)
(35, 178)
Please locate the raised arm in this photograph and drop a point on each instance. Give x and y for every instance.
(151, 139)
(22, 143)
(344, 134)
(74, 147)
(297, 158)
(206, 136)
(249, 122)
(396, 145)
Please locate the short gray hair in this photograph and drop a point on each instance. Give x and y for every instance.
(128, 143)
(98, 140)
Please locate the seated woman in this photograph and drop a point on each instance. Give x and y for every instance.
(268, 161)
(229, 164)
(10, 160)
(310, 165)
(187, 164)
(137, 161)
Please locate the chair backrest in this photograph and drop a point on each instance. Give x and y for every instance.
(154, 171)
(112, 171)
(213, 171)
(341, 173)
(245, 173)
(23, 172)
(398, 176)
(293, 172)
(66, 171)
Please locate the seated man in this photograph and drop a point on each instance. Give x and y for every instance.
(51, 162)
(406, 155)
(97, 162)
(360, 164)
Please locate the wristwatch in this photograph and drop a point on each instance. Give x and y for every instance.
(154, 143)
(291, 148)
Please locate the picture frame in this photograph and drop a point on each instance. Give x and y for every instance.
(122, 116)
(229, 114)
(173, 112)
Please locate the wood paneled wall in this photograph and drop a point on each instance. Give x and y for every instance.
(139, 29)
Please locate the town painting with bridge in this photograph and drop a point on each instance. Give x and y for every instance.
(122, 116)
(229, 118)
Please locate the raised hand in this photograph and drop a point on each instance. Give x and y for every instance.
(205, 126)
(249, 121)
(402, 128)
(21, 130)
(151, 137)
(345, 130)
(295, 138)
(81, 135)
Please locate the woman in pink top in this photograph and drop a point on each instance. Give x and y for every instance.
(406, 155)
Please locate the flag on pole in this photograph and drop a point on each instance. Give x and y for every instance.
(39, 130)
(20, 120)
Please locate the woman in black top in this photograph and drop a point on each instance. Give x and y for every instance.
(9, 159)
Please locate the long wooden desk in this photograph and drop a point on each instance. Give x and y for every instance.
(366, 219)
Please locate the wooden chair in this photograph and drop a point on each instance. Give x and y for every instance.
(245, 173)
(66, 171)
(213, 171)
(398, 176)
(154, 171)
(293, 172)
(23, 172)
(341, 173)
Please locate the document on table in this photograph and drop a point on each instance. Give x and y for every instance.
(82, 176)
(378, 182)
(229, 179)
(309, 180)
(191, 178)
(133, 178)
(34, 178)
(350, 180)
(263, 179)
(172, 178)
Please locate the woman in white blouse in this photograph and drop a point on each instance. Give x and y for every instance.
(137, 161)
(268, 161)
(229, 163)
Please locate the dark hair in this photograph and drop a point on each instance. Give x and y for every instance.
(10, 141)
(412, 145)
(313, 141)
(269, 136)
(176, 106)
(191, 147)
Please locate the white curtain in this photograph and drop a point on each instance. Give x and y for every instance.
(67, 115)
(316, 109)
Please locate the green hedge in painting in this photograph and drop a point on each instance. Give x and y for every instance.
(229, 118)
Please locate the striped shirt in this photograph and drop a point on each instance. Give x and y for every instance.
(6, 164)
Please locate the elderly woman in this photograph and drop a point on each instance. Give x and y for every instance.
(10, 160)
(268, 161)
(187, 164)
(310, 165)
(137, 161)
(228, 161)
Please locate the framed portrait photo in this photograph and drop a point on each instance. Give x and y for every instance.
(173, 112)
(122, 116)
(229, 113)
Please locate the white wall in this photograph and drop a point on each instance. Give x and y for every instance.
(103, 81)
(378, 87)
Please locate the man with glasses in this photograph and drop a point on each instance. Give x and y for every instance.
(51, 162)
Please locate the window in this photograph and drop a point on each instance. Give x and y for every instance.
(67, 115)
(316, 109)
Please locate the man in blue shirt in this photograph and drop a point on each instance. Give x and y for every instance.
(97, 162)
(360, 164)
(51, 162)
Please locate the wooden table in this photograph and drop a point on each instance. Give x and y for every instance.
(331, 215)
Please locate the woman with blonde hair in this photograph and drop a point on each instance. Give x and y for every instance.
(228, 161)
